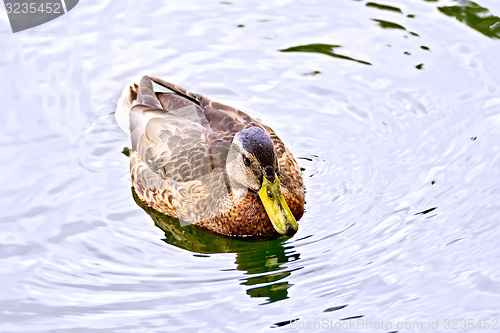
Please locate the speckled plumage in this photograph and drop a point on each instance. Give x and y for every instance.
(180, 144)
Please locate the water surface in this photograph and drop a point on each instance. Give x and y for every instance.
(392, 109)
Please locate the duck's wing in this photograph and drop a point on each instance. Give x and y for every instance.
(171, 141)
(172, 157)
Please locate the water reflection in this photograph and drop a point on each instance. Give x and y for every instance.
(475, 16)
(322, 49)
(265, 266)
(263, 261)
(389, 25)
(383, 7)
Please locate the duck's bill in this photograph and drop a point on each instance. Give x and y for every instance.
(276, 207)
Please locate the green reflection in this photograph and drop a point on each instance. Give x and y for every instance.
(383, 7)
(126, 151)
(263, 260)
(323, 49)
(475, 16)
(389, 25)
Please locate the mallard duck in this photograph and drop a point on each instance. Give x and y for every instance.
(209, 164)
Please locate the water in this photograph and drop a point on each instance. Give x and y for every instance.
(392, 111)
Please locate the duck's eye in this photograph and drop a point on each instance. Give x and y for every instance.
(247, 161)
(270, 195)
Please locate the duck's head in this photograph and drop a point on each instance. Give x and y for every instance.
(252, 164)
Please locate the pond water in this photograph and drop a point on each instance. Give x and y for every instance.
(392, 109)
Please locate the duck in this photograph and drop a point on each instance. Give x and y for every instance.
(209, 164)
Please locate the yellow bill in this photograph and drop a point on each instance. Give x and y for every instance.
(276, 207)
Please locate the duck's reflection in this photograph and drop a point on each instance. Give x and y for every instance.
(264, 261)
(266, 269)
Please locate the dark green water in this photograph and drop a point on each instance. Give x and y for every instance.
(392, 109)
